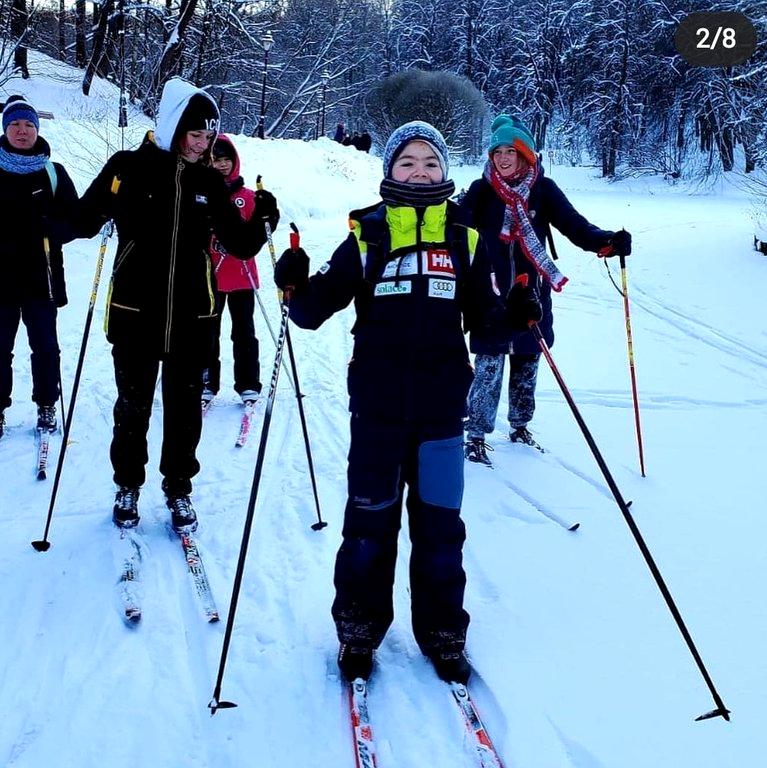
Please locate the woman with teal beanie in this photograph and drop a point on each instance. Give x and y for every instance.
(512, 206)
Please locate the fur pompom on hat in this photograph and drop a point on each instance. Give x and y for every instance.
(18, 108)
(417, 130)
(509, 131)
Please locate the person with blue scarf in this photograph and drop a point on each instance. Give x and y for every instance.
(37, 198)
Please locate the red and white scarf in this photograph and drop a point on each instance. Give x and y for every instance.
(517, 227)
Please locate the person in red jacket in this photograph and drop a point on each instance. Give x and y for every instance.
(237, 282)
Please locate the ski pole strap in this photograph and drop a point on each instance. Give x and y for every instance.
(550, 239)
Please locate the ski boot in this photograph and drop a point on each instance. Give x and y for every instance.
(451, 666)
(183, 518)
(522, 435)
(355, 661)
(125, 512)
(46, 418)
(476, 450)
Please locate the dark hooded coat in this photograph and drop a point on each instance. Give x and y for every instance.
(162, 290)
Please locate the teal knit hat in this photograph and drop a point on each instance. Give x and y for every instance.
(510, 131)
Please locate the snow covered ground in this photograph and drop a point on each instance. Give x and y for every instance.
(579, 663)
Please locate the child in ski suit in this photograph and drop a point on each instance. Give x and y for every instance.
(165, 201)
(415, 273)
(236, 282)
(512, 206)
(37, 197)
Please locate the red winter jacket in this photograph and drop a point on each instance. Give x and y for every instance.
(233, 274)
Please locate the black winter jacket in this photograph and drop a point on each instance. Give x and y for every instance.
(547, 205)
(30, 213)
(410, 360)
(162, 291)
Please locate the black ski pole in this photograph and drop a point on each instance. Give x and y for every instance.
(215, 703)
(320, 524)
(43, 545)
(721, 710)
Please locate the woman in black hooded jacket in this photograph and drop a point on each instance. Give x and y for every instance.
(166, 202)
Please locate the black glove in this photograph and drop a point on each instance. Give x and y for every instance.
(292, 269)
(266, 208)
(619, 244)
(523, 306)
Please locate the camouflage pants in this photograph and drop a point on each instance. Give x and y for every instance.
(485, 392)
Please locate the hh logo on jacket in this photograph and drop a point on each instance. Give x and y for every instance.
(437, 261)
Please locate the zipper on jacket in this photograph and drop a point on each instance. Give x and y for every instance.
(173, 247)
(47, 249)
(120, 259)
(208, 265)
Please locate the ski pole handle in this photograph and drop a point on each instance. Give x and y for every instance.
(295, 237)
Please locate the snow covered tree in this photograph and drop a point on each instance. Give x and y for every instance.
(450, 102)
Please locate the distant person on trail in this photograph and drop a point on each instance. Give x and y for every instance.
(512, 206)
(365, 142)
(339, 134)
(236, 283)
(416, 274)
(37, 198)
(165, 201)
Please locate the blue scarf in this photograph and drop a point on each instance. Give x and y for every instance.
(13, 162)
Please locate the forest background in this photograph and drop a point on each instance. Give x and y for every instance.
(599, 81)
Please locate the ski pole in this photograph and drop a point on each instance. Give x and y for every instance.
(299, 395)
(43, 545)
(629, 341)
(215, 703)
(266, 320)
(721, 710)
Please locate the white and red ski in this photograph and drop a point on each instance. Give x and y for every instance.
(245, 423)
(199, 577)
(484, 749)
(43, 443)
(362, 730)
(128, 586)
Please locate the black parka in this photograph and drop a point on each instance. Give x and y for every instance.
(31, 212)
(162, 291)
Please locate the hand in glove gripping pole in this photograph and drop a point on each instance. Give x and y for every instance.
(266, 207)
(292, 268)
(523, 305)
(619, 244)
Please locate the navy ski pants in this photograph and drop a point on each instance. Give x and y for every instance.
(384, 457)
(39, 317)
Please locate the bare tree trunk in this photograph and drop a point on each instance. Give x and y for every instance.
(204, 37)
(62, 37)
(97, 51)
(171, 57)
(80, 34)
(19, 21)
